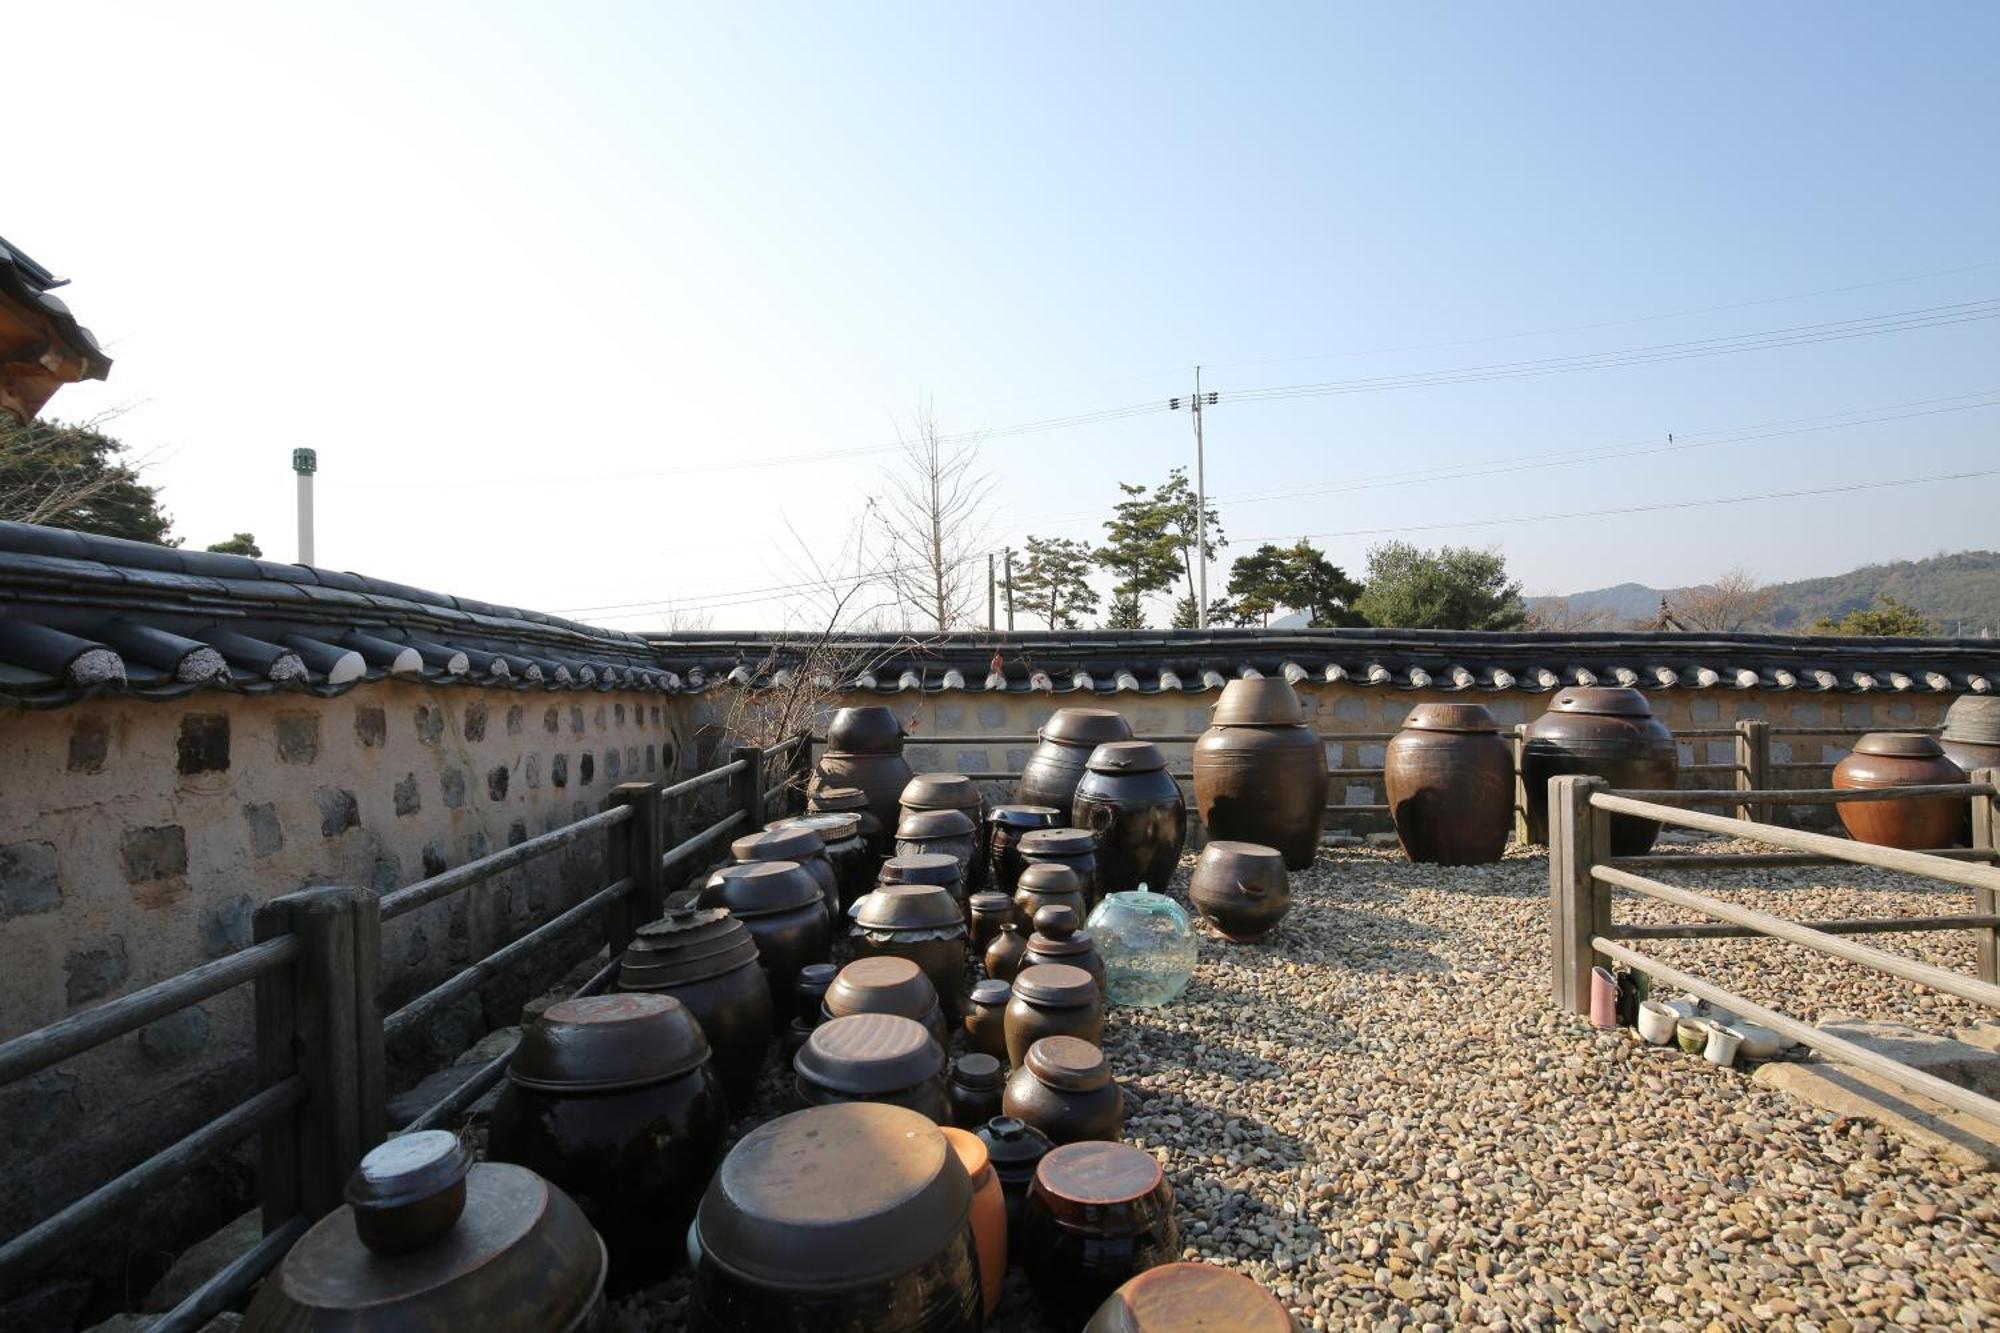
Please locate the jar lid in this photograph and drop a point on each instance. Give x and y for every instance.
(814, 978)
(908, 907)
(864, 1055)
(1604, 700)
(1110, 1185)
(990, 902)
(834, 1197)
(688, 944)
(1086, 726)
(1263, 701)
(925, 824)
(1900, 744)
(1054, 923)
(1126, 757)
(992, 991)
(1241, 858)
(978, 1070)
(1068, 1064)
(408, 1169)
(1013, 1143)
(831, 826)
(1056, 985)
(1973, 719)
(881, 984)
(791, 844)
(1048, 879)
(922, 868)
(938, 791)
(1450, 717)
(1187, 1297)
(1024, 816)
(1058, 842)
(602, 1043)
(761, 888)
(837, 798)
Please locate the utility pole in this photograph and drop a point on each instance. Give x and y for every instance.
(305, 462)
(1010, 590)
(1195, 404)
(992, 622)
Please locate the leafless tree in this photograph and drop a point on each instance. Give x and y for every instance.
(931, 520)
(1563, 616)
(1736, 601)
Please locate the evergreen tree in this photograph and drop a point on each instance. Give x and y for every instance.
(242, 543)
(1453, 587)
(75, 477)
(1051, 583)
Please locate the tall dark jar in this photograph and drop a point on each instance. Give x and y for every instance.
(865, 729)
(879, 777)
(1604, 732)
(1097, 1215)
(1006, 825)
(842, 1218)
(612, 1098)
(707, 959)
(930, 792)
(1052, 1000)
(939, 833)
(920, 922)
(1066, 741)
(1015, 1148)
(1260, 772)
(1450, 783)
(785, 912)
(1135, 810)
(873, 1058)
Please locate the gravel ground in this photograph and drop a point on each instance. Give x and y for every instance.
(1378, 1114)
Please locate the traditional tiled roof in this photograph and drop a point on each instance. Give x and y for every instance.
(1189, 661)
(81, 614)
(41, 344)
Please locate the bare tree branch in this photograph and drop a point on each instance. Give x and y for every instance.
(933, 526)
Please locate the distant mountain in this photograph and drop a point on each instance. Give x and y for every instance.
(1960, 593)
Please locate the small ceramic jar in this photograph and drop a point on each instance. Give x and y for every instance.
(1006, 825)
(1004, 955)
(1075, 848)
(872, 1058)
(989, 912)
(989, 1213)
(974, 1089)
(808, 994)
(1052, 1000)
(1065, 1090)
(1016, 1148)
(986, 1018)
(1057, 940)
(1046, 884)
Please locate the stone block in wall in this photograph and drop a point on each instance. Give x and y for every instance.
(1857, 713)
(1195, 720)
(614, 764)
(1781, 752)
(28, 881)
(1393, 711)
(586, 769)
(1704, 709)
(559, 771)
(89, 745)
(922, 758)
(1751, 710)
(407, 798)
(992, 715)
(93, 973)
(1335, 753)
(473, 724)
(1722, 752)
(452, 783)
(973, 761)
(203, 744)
(339, 811)
(1350, 709)
(496, 782)
(516, 716)
(1149, 720)
(154, 853)
(1902, 710)
(1684, 752)
(552, 719)
(601, 718)
(430, 724)
(1807, 713)
(1358, 794)
(948, 717)
(225, 926)
(371, 726)
(267, 836)
(575, 720)
(298, 738)
(1017, 760)
(1371, 756)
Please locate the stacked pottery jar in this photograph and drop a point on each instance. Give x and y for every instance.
(800, 846)
(950, 791)
(1065, 743)
(1047, 884)
(1892, 759)
(939, 833)
(1450, 783)
(1052, 1000)
(612, 1098)
(431, 1239)
(1971, 739)
(1260, 772)
(707, 960)
(1241, 889)
(843, 847)
(872, 1058)
(864, 750)
(854, 801)
(1064, 1088)
(785, 912)
(920, 922)
(1097, 1215)
(1135, 810)
(1075, 849)
(885, 985)
(1006, 825)
(933, 868)
(1059, 938)
(1604, 732)
(852, 1216)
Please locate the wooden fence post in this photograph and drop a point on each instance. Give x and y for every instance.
(802, 768)
(747, 788)
(635, 851)
(1986, 836)
(1516, 742)
(318, 1019)
(1579, 907)
(1753, 766)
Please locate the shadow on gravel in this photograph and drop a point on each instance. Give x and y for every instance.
(1215, 1129)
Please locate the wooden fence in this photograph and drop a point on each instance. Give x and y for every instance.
(1583, 874)
(320, 1032)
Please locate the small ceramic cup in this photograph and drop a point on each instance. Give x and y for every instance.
(1692, 1034)
(1656, 1022)
(1722, 1044)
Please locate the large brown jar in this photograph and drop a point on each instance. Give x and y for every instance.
(707, 959)
(845, 849)
(1066, 740)
(1053, 1000)
(854, 801)
(839, 1218)
(803, 848)
(1241, 889)
(1604, 732)
(864, 749)
(785, 912)
(1450, 782)
(1971, 737)
(1260, 772)
(1075, 849)
(1064, 1088)
(1181, 1298)
(986, 1018)
(612, 1098)
(1097, 1215)
(1891, 759)
(886, 985)
(865, 729)
(873, 1058)
(934, 868)
(1059, 938)
(1135, 810)
(920, 922)
(939, 833)
(952, 791)
(1006, 825)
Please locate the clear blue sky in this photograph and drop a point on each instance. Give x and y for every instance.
(499, 262)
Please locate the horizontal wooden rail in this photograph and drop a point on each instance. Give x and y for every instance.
(1175, 738)
(674, 857)
(426, 891)
(1769, 860)
(232, 1280)
(1873, 925)
(700, 780)
(1791, 932)
(403, 1020)
(43, 1241)
(1914, 1080)
(1804, 795)
(32, 1052)
(1841, 849)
